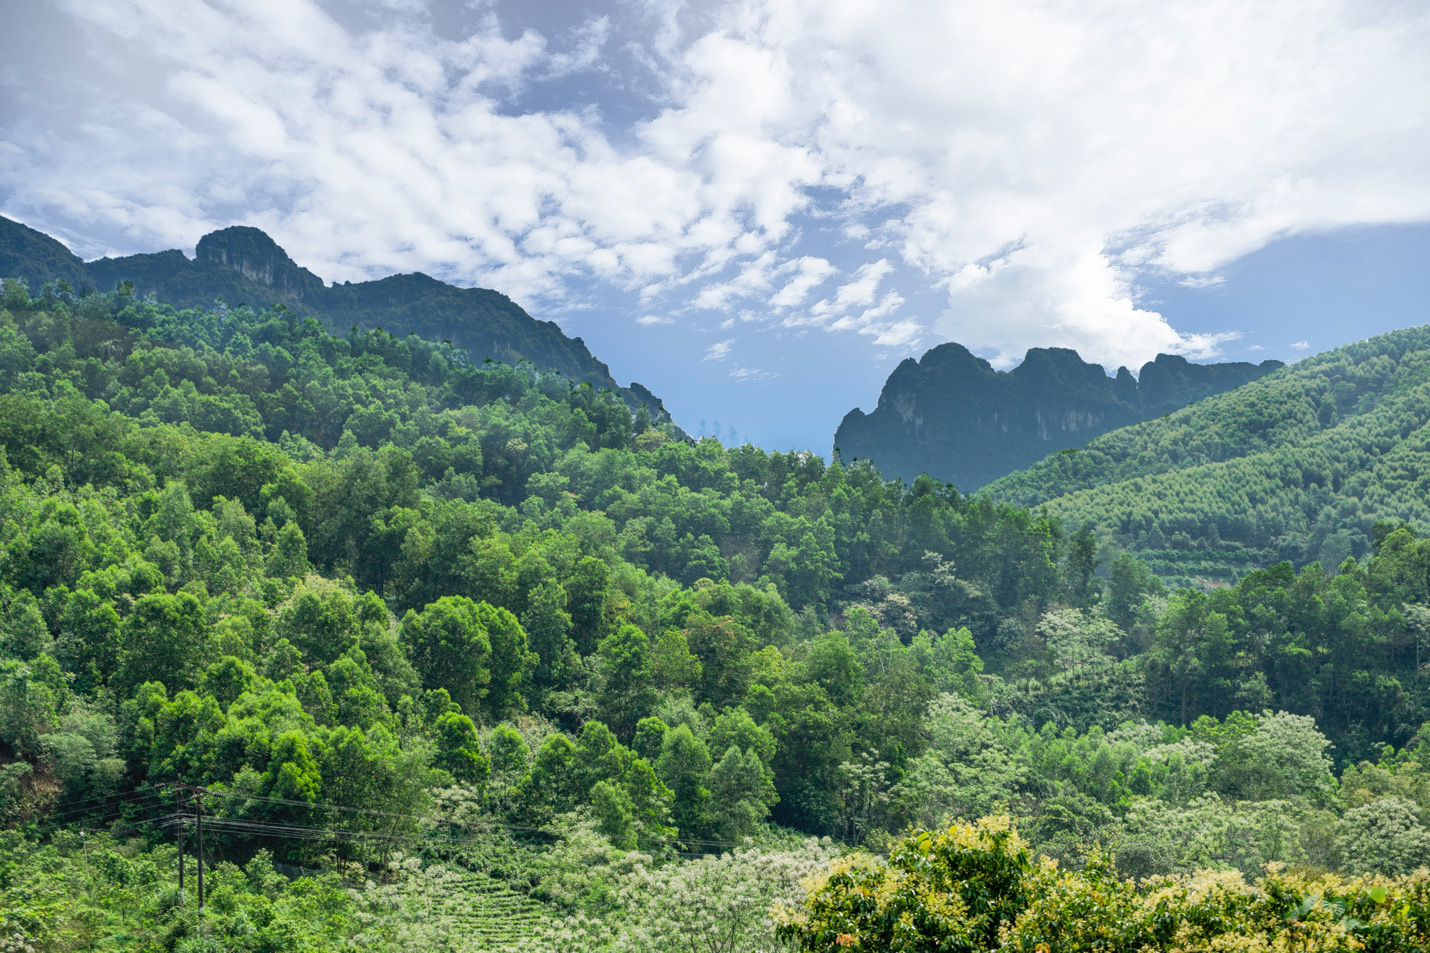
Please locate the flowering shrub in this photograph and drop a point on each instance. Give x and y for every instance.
(974, 887)
(943, 892)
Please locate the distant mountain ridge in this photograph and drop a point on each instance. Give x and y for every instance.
(242, 264)
(951, 415)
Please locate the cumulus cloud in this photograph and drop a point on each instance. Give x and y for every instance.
(1301, 346)
(1026, 159)
(1047, 153)
(805, 274)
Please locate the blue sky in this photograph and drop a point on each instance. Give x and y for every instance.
(759, 207)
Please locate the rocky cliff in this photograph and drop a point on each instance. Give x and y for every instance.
(951, 415)
(245, 265)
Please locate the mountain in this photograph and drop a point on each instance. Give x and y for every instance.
(950, 414)
(245, 265)
(1300, 465)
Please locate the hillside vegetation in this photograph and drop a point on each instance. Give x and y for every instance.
(1299, 465)
(469, 657)
(244, 265)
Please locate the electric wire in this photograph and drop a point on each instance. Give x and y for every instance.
(69, 814)
(139, 796)
(105, 797)
(437, 819)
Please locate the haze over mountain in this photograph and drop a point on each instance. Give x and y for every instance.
(951, 415)
(243, 265)
(1300, 465)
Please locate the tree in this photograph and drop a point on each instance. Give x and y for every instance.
(650, 738)
(508, 755)
(552, 786)
(289, 556)
(321, 619)
(459, 752)
(673, 665)
(1383, 837)
(720, 903)
(953, 889)
(548, 628)
(165, 640)
(586, 593)
(684, 766)
(451, 649)
(627, 690)
(723, 647)
(1284, 756)
(741, 794)
(1127, 589)
(950, 662)
(615, 817)
(512, 661)
(1080, 571)
(293, 772)
(89, 642)
(734, 726)
(865, 795)
(833, 665)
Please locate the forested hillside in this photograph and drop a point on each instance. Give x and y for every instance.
(1297, 466)
(480, 659)
(245, 265)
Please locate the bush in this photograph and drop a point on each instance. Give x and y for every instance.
(973, 887)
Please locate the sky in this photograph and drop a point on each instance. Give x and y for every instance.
(758, 208)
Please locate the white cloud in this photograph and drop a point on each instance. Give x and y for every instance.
(648, 320)
(808, 274)
(1026, 158)
(900, 334)
(1301, 346)
(859, 306)
(752, 374)
(719, 350)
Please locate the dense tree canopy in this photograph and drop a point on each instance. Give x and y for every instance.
(375, 598)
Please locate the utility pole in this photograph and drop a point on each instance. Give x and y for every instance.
(199, 833)
(198, 796)
(181, 861)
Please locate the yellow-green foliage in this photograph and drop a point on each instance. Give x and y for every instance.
(945, 891)
(974, 887)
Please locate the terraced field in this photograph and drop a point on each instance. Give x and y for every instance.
(471, 912)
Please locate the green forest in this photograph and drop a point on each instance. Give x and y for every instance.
(1297, 466)
(459, 656)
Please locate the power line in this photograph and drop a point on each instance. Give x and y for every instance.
(95, 803)
(120, 801)
(230, 824)
(105, 797)
(352, 810)
(437, 819)
(299, 832)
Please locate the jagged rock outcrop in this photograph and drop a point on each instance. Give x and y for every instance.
(951, 415)
(244, 265)
(256, 256)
